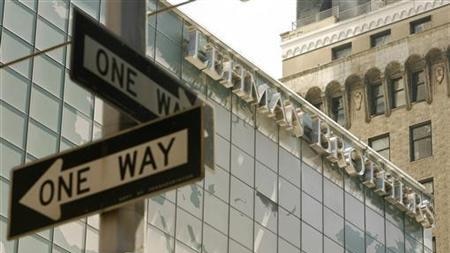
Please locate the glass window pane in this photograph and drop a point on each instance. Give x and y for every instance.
(289, 227)
(161, 214)
(172, 26)
(237, 248)
(91, 241)
(217, 182)
(98, 110)
(375, 225)
(312, 182)
(190, 198)
(168, 53)
(289, 197)
(54, 11)
(12, 126)
(242, 165)
(213, 241)
(44, 108)
(311, 211)
(222, 120)
(354, 211)
(242, 134)
(4, 186)
(7, 246)
(19, 20)
(266, 151)
(354, 239)
(47, 74)
(78, 97)
(222, 151)
(289, 167)
(189, 229)
(266, 182)
(75, 126)
(241, 196)
(160, 241)
(333, 226)
(15, 157)
(285, 247)
(333, 197)
(13, 48)
(13, 89)
(216, 213)
(47, 36)
(421, 131)
(240, 228)
(40, 142)
(311, 239)
(266, 211)
(331, 246)
(422, 148)
(33, 244)
(265, 240)
(394, 238)
(379, 143)
(70, 236)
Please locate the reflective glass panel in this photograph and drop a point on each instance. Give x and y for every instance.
(13, 89)
(45, 108)
(40, 142)
(13, 48)
(19, 20)
(12, 126)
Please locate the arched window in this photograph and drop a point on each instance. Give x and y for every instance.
(396, 85)
(417, 79)
(375, 92)
(336, 105)
(314, 96)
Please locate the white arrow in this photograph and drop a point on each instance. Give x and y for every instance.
(57, 187)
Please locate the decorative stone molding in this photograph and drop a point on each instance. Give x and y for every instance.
(303, 43)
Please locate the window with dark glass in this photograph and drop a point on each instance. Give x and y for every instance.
(337, 110)
(381, 144)
(380, 38)
(397, 93)
(420, 25)
(418, 89)
(420, 141)
(429, 184)
(341, 51)
(318, 105)
(376, 99)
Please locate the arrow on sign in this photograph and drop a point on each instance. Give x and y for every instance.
(58, 185)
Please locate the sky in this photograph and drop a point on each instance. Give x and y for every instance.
(252, 28)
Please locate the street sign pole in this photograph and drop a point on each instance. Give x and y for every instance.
(124, 229)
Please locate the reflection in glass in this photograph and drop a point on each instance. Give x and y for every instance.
(12, 126)
(13, 48)
(241, 228)
(14, 89)
(266, 211)
(216, 213)
(161, 214)
(189, 229)
(40, 142)
(160, 242)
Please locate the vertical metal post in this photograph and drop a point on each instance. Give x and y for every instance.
(124, 229)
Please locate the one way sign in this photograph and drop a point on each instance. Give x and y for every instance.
(107, 173)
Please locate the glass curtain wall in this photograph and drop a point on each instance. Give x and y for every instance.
(269, 192)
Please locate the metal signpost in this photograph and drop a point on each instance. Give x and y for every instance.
(108, 173)
(102, 63)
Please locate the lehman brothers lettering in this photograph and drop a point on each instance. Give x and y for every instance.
(374, 173)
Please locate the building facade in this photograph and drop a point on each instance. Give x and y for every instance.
(384, 76)
(276, 187)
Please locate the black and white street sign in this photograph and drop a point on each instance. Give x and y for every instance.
(104, 64)
(108, 173)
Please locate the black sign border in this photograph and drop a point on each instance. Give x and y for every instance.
(85, 25)
(191, 119)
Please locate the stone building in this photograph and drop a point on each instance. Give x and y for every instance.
(384, 75)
